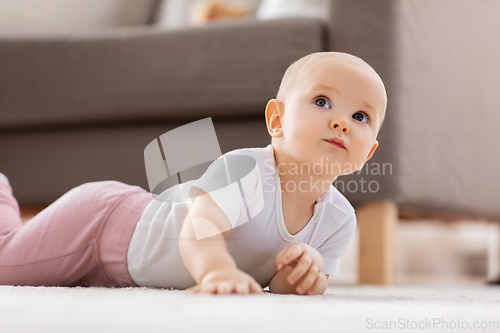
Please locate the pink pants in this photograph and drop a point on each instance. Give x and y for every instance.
(79, 240)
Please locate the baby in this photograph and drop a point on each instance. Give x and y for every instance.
(287, 230)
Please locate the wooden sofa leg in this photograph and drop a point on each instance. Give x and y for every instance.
(493, 276)
(377, 223)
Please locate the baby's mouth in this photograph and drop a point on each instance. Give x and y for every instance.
(336, 142)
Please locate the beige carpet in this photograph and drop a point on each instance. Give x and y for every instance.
(341, 309)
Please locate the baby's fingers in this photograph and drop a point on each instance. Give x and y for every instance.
(292, 253)
(194, 289)
(210, 288)
(202, 288)
(255, 288)
(308, 281)
(304, 264)
(242, 288)
(314, 290)
(225, 287)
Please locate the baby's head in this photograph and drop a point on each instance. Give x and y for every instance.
(329, 109)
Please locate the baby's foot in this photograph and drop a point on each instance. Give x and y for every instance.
(4, 179)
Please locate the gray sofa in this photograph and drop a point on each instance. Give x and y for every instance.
(82, 107)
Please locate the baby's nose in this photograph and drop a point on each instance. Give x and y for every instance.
(341, 124)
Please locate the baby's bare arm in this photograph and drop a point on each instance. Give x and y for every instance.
(203, 255)
(206, 258)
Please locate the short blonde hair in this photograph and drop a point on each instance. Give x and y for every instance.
(295, 73)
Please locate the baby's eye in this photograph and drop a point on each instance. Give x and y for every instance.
(321, 102)
(360, 116)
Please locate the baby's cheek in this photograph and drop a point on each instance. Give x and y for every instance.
(354, 160)
(363, 155)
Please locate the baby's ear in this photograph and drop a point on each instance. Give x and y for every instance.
(274, 118)
(370, 154)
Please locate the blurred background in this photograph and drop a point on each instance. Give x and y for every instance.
(85, 85)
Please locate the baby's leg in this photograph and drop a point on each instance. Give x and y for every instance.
(10, 218)
(80, 239)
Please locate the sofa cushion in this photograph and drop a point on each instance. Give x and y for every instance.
(36, 16)
(272, 9)
(129, 74)
(174, 14)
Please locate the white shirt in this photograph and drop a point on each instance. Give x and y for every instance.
(258, 234)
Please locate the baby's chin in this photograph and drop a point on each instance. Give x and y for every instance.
(336, 167)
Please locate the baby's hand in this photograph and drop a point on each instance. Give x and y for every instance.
(227, 281)
(307, 262)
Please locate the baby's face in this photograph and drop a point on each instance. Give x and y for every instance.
(338, 101)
